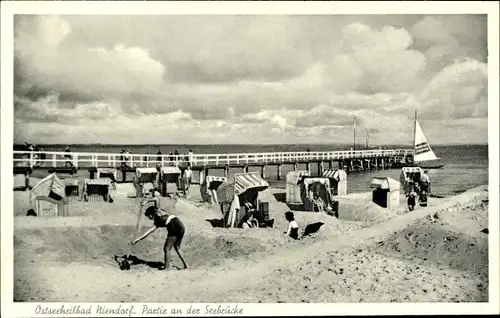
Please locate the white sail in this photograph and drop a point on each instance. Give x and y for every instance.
(423, 151)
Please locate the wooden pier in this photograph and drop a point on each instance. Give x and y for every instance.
(351, 160)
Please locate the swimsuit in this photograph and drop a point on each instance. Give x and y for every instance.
(172, 223)
(293, 230)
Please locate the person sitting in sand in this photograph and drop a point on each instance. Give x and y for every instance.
(316, 197)
(293, 227)
(175, 233)
(249, 221)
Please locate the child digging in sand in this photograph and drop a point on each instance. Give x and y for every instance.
(175, 229)
(293, 227)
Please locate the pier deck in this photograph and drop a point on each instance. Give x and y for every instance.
(351, 160)
(81, 160)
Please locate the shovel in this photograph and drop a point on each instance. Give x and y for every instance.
(123, 261)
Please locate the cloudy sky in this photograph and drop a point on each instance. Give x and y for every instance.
(249, 79)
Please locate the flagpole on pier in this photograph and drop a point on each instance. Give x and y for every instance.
(354, 129)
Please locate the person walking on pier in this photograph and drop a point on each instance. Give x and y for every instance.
(68, 156)
(43, 157)
(159, 158)
(175, 229)
(190, 154)
(176, 156)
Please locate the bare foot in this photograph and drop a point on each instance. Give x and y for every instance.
(181, 268)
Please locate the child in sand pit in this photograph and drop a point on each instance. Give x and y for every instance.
(175, 229)
(411, 198)
(293, 227)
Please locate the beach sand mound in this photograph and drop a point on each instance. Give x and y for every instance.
(56, 258)
(97, 246)
(56, 263)
(361, 210)
(452, 238)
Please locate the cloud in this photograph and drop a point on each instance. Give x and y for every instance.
(45, 64)
(375, 61)
(448, 38)
(458, 91)
(241, 79)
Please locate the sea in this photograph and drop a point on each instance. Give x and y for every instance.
(465, 166)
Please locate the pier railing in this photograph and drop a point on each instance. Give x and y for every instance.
(51, 159)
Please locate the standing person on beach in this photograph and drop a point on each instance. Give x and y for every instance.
(175, 229)
(411, 201)
(425, 182)
(293, 227)
(186, 179)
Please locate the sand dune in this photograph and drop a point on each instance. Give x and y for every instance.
(405, 257)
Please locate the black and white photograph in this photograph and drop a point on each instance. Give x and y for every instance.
(223, 158)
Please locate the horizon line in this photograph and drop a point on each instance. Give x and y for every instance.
(239, 144)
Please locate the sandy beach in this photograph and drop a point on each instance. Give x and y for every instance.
(433, 254)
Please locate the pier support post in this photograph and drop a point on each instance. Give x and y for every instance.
(27, 175)
(308, 166)
(382, 163)
(203, 175)
(376, 163)
(124, 175)
(320, 168)
(330, 164)
(263, 171)
(226, 171)
(295, 166)
(278, 173)
(245, 169)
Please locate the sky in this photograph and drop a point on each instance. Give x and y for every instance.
(249, 79)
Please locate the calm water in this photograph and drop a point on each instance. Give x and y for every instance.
(465, 167)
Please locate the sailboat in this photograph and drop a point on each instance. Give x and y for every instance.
(423, 155)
